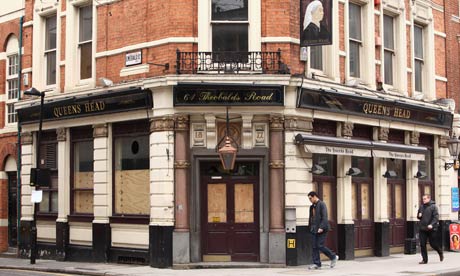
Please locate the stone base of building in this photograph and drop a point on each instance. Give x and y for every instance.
(277, 247)
(381, 238)
(181, 247)
(161, 246)
(62, 241)
(102, 239)
(346, 241)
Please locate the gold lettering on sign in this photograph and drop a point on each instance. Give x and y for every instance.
(383, 110)
(252, 96)
(66, 110)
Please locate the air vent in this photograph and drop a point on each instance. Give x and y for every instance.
(131, 260)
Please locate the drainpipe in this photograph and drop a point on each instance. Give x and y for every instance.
(19, 163)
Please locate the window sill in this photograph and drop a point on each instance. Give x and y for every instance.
(47, 216)
(81, 218)
(130, 219)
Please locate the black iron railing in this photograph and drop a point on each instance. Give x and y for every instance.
(230, 62)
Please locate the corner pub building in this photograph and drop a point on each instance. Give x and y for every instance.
(136, 177)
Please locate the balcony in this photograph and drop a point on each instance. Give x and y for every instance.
(230, 63)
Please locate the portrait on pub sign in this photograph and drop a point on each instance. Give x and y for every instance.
(315, 22)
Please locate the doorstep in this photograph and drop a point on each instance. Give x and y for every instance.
(215, 265)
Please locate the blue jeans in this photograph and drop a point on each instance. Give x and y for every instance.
(318, 245)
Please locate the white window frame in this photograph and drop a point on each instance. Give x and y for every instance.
(422, 60)
(47, 52)
(81, 43)
(367, 50)
(10, 101)
(392, 51)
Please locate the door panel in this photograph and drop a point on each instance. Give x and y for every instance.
(12, 209)
(326, 188)
(397, 211)
(363, 213)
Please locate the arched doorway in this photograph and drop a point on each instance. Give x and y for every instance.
(11, 172)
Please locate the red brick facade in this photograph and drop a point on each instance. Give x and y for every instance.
(452, 25)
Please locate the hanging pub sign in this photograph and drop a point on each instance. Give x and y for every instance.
(315, 22)
(188, 94)
(392, 110)
(89, 105)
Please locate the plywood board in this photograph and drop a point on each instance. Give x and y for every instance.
(244, 203)
(83, 180)
(132, 192)
(217, 203)
(83, 202)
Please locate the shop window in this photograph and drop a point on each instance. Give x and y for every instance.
(50, 50)
(85, 44)
(425, 168)
(418, 57)
(362, 132)
(82, 171)
(323, 165)
(362, 166)
(48, 160)
(355, 39)
(12, 79)
(389, 48)
(131, 169)
(230, 25)
(324, 128)
(396, 168)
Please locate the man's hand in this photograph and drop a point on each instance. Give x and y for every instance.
(320, 231)
(419, 215)
(430, 226)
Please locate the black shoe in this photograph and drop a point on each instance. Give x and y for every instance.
(423, 262)
(441, 257)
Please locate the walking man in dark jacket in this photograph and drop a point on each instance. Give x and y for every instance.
(319, 226)
(429, 223)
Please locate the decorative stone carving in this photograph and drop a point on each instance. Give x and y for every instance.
(259, 135)
(26, 138)
(162, 124)
(277, 123)
(246, 131)
(292, 123)
(182, 123)
(199, 135)
(100, 131)
(415, 137)
(61, 134)
(442, 141)
(383, 133)
(347, 129)
(276, 164)
(181, 164)
(211, 138)
(234, 131)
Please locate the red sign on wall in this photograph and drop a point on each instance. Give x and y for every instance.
(455, 237)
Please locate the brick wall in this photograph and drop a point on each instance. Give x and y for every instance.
(452, 50)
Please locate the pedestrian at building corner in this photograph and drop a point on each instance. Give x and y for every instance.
(429, 224)
(319, 226)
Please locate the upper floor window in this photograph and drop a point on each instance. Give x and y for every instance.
(230, 25)
(12, 80)
(50, 50)
(389, 48)
(355, 39)
(316, 58)
(85, 41)
(418, 57)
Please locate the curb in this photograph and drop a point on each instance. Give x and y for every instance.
(59, 270)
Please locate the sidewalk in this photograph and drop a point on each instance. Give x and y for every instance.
(399, 264)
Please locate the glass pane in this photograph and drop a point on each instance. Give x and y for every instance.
(327, 198)
(362, 165)
(388, 33)
(230, 37)
(45, 204)
(12, 89)
(230, 10)
(244, 203)
(86, 60)
(323, 164)
(424, 167)
(54, 202)
(355, 21)
(132, 192)
(51, 68)
(388, 67)
(13, 65)
(354, 59)
(399, 201)
(83, 156)
(316, 57)
(86, 23)
(83, 202)
(418, 42)
(365, 201)
(217, 203)
(396, 168)
(132, 153)
(12, 115)
(50, 37)
(354, 201)
(418, 75)
(390, 201)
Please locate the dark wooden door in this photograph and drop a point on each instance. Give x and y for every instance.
(396, 202)
(326, 187)
(230, 217)
(363, 212)
(12, 209)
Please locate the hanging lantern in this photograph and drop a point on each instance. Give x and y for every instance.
(227, 155)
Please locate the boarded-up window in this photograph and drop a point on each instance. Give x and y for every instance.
(82, 174)
(244, 203)
(48, 159)
(132, 173)
(217, 203)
